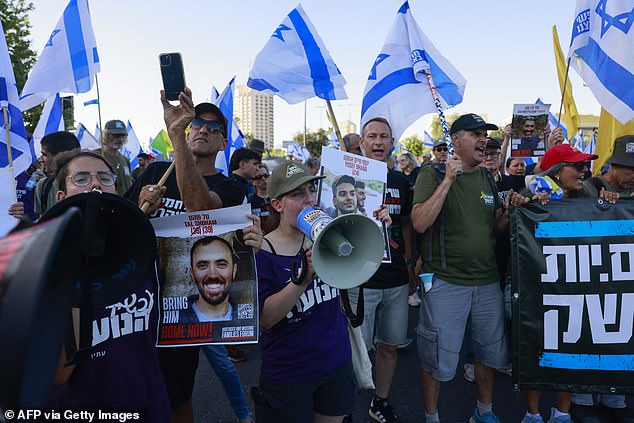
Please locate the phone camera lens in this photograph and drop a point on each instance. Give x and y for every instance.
(165, 60)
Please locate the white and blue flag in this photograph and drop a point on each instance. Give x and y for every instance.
(428, 140)
(20, 150)
(68, 60)
(51, 120)
(86, 140)
(298, 152)
(132, 147)
(397, 88)
(602, 51)
(98, 132)
(235, 138)
(295, 64)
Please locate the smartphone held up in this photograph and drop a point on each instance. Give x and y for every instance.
(172, 74)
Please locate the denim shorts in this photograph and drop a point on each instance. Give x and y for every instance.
(443, 316)
(384, 315)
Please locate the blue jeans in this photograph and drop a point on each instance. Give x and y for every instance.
(609, 400)
(223, 367)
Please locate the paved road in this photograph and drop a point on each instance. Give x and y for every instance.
(457, 398)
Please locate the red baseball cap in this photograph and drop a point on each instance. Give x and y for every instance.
(564, 153)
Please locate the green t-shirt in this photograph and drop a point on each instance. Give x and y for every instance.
(468, 213)
(121, 167)
(50, 199)
(590, 190)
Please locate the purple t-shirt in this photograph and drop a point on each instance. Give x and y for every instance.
(312, 339)
(123, 370)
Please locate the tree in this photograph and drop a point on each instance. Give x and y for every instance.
(437, 133)
(414, 145)
(17, 31)
(314, 141)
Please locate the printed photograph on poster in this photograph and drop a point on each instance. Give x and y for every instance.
(207, 277)
(353, 184)
(529, 130)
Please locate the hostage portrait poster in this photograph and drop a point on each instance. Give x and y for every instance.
(207, 279)
(353, 185)
(529, 130)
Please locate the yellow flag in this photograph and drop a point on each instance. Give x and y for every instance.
(609, 130)
(163, 143)
(571, 116)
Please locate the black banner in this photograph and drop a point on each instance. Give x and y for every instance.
(573, 296)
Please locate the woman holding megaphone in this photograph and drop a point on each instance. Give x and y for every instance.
(306, 373)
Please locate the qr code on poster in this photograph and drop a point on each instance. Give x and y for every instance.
(245, 311)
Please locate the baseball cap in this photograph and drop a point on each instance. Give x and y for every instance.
(493, 143)
(116, 127)
(564, 153)
(257, 145)
(623, 151)
(470, 121)
(287, 176)
(439, 142)
(213, 109)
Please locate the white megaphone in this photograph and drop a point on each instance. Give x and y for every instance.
(347, 250)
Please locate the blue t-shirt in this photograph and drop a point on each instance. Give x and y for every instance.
(312, 339)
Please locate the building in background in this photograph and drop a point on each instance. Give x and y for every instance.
(253, 111)
(347, 127)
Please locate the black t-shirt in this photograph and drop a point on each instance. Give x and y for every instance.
(230, 192)
(399, 203)
(411, 178)
(503, 242)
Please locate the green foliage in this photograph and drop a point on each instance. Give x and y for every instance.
(414, 145)
(17, 31)
(314, 141)
(437, 133)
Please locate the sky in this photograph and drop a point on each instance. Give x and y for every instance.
(503, 48)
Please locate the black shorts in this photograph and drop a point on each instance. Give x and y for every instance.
(331, 395)
(178, 365)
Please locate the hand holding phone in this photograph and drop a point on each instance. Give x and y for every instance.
(173, 74)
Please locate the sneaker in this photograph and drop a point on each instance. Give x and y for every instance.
(347, 419)
(584, 413)
(560, 419)
(617, 415)
(529, 418)
(414, 299)
(236, 355)
(382, 412)
(469, 372)
(485, 418)
(405, 344)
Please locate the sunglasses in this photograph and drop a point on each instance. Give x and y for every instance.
(212, 125)
(265, 176)
(492, 154)
(580, 166)
(82, 178)
(441, 149)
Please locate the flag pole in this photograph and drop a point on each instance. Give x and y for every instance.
(333, 120)
(161, 182)
(563, 92)
(304, 123)
(434, 93)
(98, 106)
(7, 128)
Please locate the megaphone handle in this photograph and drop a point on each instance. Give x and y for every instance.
(295, 278)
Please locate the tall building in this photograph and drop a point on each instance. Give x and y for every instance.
(347, 127)
(253, 111)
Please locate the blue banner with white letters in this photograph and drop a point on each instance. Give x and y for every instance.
(573, 296)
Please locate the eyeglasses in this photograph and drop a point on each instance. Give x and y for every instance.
(580, 166)
(257, 178)
(441, 149)
(212, 125)
(492, 154)
(82, 178)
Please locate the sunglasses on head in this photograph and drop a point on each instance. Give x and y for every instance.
(441, 149)
(212, 125)
(580, 166)
(82, 178)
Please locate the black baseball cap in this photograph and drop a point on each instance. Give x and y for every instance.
(470, 121)
(213, 109)
(623, 151)
(493, 143)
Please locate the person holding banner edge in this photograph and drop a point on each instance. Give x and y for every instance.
(463, 238)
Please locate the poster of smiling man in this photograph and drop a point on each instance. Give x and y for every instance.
(529, 130)
(207, 277)
(353, 185)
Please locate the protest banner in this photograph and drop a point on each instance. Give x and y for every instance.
(573, 296)
(207, 276)
(528, 137)
(353, 184)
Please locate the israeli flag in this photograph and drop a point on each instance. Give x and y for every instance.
(602, 51)
(20, 150)
(295, 63)
(428, 140)
(397, 88)
(235, 138)
(68, 60)
(332, 139)
(132, 148)
(298, 152)
(86, 140)
(98, 133)
(51, 120)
